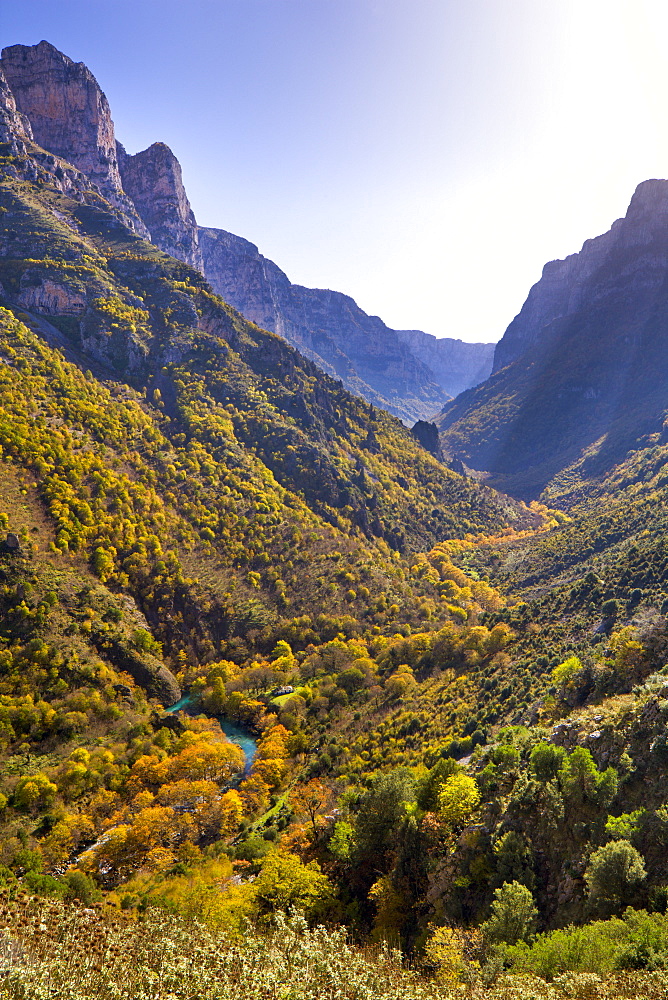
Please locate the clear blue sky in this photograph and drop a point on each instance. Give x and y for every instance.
(425, 156)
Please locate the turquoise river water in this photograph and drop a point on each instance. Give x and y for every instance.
(233, 732)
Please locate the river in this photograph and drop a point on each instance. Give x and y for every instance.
(236, 734)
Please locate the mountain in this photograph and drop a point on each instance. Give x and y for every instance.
(75, 266)
(457, 703)
(179, 487)
(153, 181)
(194, 472)
(409, 373)
(580, 374)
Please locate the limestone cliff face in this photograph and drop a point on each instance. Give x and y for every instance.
(153, 180)
(14, 127)
(67, 110)
(456, 364)
(594, 274)
(69, 116)
(26, 160)
(371, 359)
(581, 372)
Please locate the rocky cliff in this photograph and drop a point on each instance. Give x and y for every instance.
(14, 127)
(153, 180)
(58, 108)
(581, 373)
(593, 274)
(394, 369)
(69, 116)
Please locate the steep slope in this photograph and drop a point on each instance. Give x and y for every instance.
(580, 374)
(402, 371)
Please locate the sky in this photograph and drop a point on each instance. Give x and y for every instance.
(426, 157)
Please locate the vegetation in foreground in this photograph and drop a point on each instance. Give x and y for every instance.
(89, 954)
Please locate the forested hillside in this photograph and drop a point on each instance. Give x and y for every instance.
(453, 703)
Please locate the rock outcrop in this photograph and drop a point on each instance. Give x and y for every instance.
(69, 116)
(153, 180)
(14, 127)
(53, 298)
(426, 434)
(371, 359)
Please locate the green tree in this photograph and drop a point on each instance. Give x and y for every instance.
(433, 782)
(513, 915)
(340, 843)
(613, 871)
(545, 760)
(581, 781)
(514, 862)
(380, 815)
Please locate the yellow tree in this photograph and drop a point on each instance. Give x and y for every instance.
(309, 801)
(458, 796)
(285, 881)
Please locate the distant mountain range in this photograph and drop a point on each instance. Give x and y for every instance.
(409, 373)
(405, 371)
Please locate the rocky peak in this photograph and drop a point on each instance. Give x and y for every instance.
(594, 272)
(69, 117)
(153, 180)
(67, 110)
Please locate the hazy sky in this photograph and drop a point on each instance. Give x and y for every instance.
(425, 156)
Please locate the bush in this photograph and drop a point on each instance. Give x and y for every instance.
(638, 941)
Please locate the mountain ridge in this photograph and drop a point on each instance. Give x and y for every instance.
(580, 374)
(405, 374)
(72, 119)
